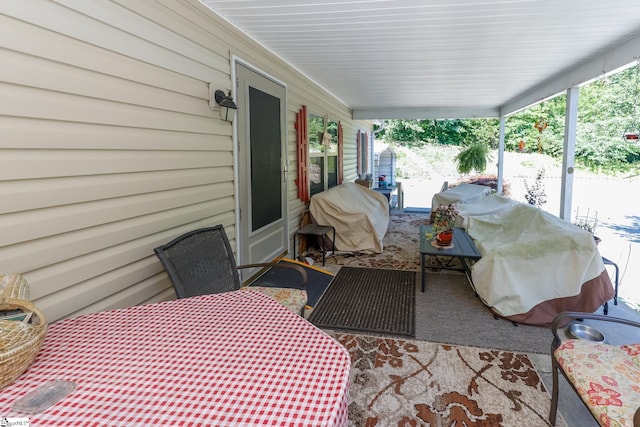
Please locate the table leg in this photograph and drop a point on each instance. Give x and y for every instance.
(467, 272)
(422, 271)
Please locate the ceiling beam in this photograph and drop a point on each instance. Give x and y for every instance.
(610, 62)
(422, 113)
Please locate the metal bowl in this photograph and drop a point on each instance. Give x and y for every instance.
(584, 332)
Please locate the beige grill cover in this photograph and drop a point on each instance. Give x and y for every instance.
(359, 215)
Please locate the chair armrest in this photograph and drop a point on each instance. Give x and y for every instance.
(297, 268)
(563, 318)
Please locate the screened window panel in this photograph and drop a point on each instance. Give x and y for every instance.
(316, 175)
(332, 171)
(266, 160)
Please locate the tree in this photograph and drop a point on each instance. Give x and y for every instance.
(408, 131)
(605, 110)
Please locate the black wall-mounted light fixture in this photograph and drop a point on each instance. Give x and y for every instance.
(227, 106)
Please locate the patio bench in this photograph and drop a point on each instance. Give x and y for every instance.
(606, 377)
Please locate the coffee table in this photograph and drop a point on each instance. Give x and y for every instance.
(463, 249)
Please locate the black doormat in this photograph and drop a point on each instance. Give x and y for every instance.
(369, 300)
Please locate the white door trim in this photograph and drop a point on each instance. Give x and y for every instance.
(235, 60)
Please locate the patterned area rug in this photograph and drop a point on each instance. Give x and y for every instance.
(401, 247)
(402, 382)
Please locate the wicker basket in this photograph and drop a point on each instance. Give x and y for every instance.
(14, 286)
(19, 341)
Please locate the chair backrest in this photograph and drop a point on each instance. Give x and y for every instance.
(200, 262)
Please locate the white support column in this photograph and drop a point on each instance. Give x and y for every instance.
(501, 154)
(372, 167)
(569, 152)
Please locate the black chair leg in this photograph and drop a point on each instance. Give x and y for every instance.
(607, 261)
(553, 411)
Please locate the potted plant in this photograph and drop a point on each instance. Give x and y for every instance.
(443, 219)
(473, 157)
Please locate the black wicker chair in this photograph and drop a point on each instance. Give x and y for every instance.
(201, 262)
(591, 368)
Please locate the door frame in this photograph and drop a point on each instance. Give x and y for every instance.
(235, 60)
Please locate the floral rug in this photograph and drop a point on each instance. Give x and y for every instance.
(401, 247)
(402, 382)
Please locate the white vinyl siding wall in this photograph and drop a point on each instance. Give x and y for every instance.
(108, 146)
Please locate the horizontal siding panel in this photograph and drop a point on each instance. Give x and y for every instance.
(56, 277)
(118, 18)
(32, 255)
(24, 70)
(174, 35)
(143, 291)
(31, 102)
(26, 133)
(192, 22)
(81, 27)
(43, 43)
(24, 226)
(31, 164)
(75, 298)
(30, 194)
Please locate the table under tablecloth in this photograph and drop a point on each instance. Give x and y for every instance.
(237, 358)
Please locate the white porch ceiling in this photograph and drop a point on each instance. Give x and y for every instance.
(443, 58)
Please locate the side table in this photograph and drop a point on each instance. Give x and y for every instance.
(316, 230)
(463, 248)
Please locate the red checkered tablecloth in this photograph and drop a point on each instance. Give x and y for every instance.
(237, 358)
